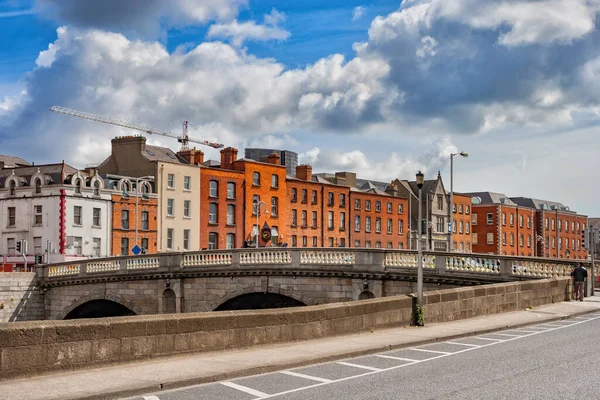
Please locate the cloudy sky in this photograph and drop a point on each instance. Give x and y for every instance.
(378, 87)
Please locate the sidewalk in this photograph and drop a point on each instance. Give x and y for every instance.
(151, 376)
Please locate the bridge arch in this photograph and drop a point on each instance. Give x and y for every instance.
(258, 301)
(99, 309)
(101, 296)
(305, 300)
(366, 295)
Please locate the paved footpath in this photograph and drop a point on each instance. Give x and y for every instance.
(168, 373)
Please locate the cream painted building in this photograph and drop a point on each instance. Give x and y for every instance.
(177, 184)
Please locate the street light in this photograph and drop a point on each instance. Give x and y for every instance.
(257, 205)
(450, 227)
(420, 181)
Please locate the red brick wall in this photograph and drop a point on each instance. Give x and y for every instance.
(337, 236)
(556, 236)
(309, 206)
(481, 228)
(462, 214)
(128, 203)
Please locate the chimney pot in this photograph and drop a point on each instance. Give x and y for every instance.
(304, 172)
(273, 158)
(228, 157)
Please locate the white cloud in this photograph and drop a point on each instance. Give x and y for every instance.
(274, 17)
(358, 12)
(238, 32)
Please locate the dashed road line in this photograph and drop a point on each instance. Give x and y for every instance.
(359, 366)
(463, 344)
(490, 339)
(244, 389)
(507, 334)
(524, 331)
(395, 358)
(310, 377)
(431, 351)
(150, 398)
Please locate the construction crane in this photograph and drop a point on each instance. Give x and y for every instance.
(183, 139)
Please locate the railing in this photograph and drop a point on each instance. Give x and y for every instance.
(356, 261)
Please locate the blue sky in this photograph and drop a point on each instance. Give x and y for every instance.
(386, 92)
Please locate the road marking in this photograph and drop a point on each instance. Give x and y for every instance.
(244, 389)
(359, 366)
(506, 334)
(490, 339)
(151, 398)
(524, 331)
(395, 358)
(298, 375)
(463, 344)
(430, 351)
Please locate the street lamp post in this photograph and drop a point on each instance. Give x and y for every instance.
(257, 205)
(420, 180)
(450, 227)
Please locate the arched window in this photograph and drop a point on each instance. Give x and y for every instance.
(78, 186)
(38, 186)
(13, 187)
(96, 188)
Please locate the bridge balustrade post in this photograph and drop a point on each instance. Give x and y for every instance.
(122, 266)
(295, 253)
(170, 262)
(235, 259)
(505, 268)
(369, 260)
(440, 262)
(83, 269)
(41, 272)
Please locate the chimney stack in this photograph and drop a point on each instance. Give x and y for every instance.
(304, 172)
(192, 156)
(228, 157)
(273, 158)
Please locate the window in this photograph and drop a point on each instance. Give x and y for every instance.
(567, 244)
(77, 215)
(95, 217)
(553, 224)
(37, 245)
(170, 203)
(96, 250)
(213, 189)
(171, 181)
(213, 213)
(489, 218)
(566, 225)
(342, 200)
(529, 221)
(462, 246)
(573, 226)
(230, 241)
(342, 242)
(440, 202)
(467, 228)
(400, 227)
(294, 241)
(460, 211)
(368, 244)
(521, 240)
(378, 244)
(504, 238)
(304, 196)
(78, 188)
(390, 245)
(454, 226)
(378, 206)
(170, 238)
(314, 219)
(528, 240)
(186, 239)
(230, 214)
(304, 217)
(474, 219)
(467, 210)
(96, 188)
(547, 225)
(314, 197)
(38, 216)
(390, 226)
(512, 239)
(357, 223)
(520, 221)
(11, 244)
(124, 246)
(357, 204)
(330, 242)
(460, 227)
(145, 220)
(400, 208)
(474, 238)
(553, 243)
(512, 219)
(186, 208)
(490, 238)
(330, 219)
(401, 246)
(304, 241)
(357, 243)
(294, 217)
(230, 190)
(12, 216)
(367, 224)
(454, 211)
(378, 225)
(255, 201)
(144, 245)
(213, 239)
(274, 181)
(124, 219)
(314, 241)
(294, 194)
(389, 207)
(12, 188)
(274, 206)
(255, 180)
(440, 224)
(187, 183)
(342, 221)
(503, 218)
(368, 205)
(330, 200)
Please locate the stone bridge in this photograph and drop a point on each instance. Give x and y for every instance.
(265, 278)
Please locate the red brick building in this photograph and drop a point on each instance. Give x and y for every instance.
(461, 223)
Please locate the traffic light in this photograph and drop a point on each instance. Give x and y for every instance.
(19, 246)
(584, 236)
(38, 259)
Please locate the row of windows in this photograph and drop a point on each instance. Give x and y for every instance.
(187, 182)
(171, 239)
(186, 208)
(463, 227)
(341, 242)
(256, 181)
(214, 189)
(574, 226)
(390, 206)
(125, 249)
(213, 241)
(213, 214)
(461, 246)
(390, 225)
(125, 220)
(256, 203)
(466, 209)
(77, 241)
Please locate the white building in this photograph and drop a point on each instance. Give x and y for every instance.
(54, 207)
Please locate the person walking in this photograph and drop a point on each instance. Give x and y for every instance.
(579, 275)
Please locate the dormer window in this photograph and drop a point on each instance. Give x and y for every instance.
(12, 188)
(78, 186)
(96, 188)
(38, 186)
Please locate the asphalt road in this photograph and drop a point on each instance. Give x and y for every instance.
(557, 360)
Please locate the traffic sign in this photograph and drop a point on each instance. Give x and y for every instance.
(136, 250)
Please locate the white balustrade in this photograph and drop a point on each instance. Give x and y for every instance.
(540, 269)
(190, 260)
(327, 257)
(408, 260)
(63, 270)
(143, 262)
(102, 266)
(266, 257)
(473, 264)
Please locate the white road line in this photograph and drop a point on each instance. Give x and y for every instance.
(490, 339)
(463, 344)
(506, 334)
(524, 331)
(431, 351)
(313, 378)
(244, 389)
(395, 358)
(150, 398)
(359, 366)
(553, 326)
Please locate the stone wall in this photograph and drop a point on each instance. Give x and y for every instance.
(31, 347)
(20, 299)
